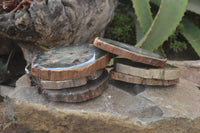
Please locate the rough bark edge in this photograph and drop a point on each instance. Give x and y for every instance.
(70, 83)
(89, 93)
(128, 54)
(68, 74)
(137, 80)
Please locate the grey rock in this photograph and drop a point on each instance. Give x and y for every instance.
(153, 110)
(190, 70)
(5, 90)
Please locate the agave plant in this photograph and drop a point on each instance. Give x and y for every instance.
(153, 31)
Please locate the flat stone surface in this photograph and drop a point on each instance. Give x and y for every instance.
(190, 70)
(122, 108)
(168, 72)
(5, 90)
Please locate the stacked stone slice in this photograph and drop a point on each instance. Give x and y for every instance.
(71, 74)
(139, 66)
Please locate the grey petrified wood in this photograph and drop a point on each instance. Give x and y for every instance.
(91, 90)
(144, 81)
(126, 66)
(47, 84)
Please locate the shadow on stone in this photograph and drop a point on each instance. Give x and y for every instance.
(133, 89)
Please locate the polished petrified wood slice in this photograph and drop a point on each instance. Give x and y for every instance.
(130, 67)
(93, 89)
(130, 52)
(47, 84)
(138, 80)
(68, 63)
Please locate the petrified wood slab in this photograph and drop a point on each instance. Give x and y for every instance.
(138, 80)
(68, 63)
(130, 52)
(93, 89)
(70, 83)
(126, 66)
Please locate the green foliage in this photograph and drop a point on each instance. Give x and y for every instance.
(121, 29)
(154, 26)
(178, 46)
(175, 44)
(144, 16)
(163, 24)
(1, 63)
(192, 33)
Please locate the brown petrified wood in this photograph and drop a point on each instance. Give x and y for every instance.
(126, 66)
(130, 52)
(47, 84)
(94, 88)
(138, 80)
(68, 63)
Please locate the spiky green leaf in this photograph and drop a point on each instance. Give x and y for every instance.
(192, 33)
(156, 2)
(143, 12)
(164, 24)
(193, 5)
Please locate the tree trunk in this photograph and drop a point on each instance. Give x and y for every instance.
(54, 23)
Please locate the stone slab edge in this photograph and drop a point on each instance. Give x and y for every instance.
(73, 121)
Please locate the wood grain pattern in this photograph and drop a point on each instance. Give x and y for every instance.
(68, 63)
(70, 83)
(130, 52)
(93, 89)
(138, 80)
(126, 66)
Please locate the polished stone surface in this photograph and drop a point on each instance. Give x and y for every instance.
(131, 48)
(68, 57)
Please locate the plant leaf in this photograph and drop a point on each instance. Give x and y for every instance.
(143, 12)
(164, 24)
(192, 33)
(156, 2)
(193, 5)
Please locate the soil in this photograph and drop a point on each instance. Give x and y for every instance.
(187, 54)
(15, 67)
(6, 125)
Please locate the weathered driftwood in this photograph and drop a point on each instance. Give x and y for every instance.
(138, 80)
(93, 89)
(54, 23)
(68, 63)
(70, 83)
(126, 66)
(130, 52)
